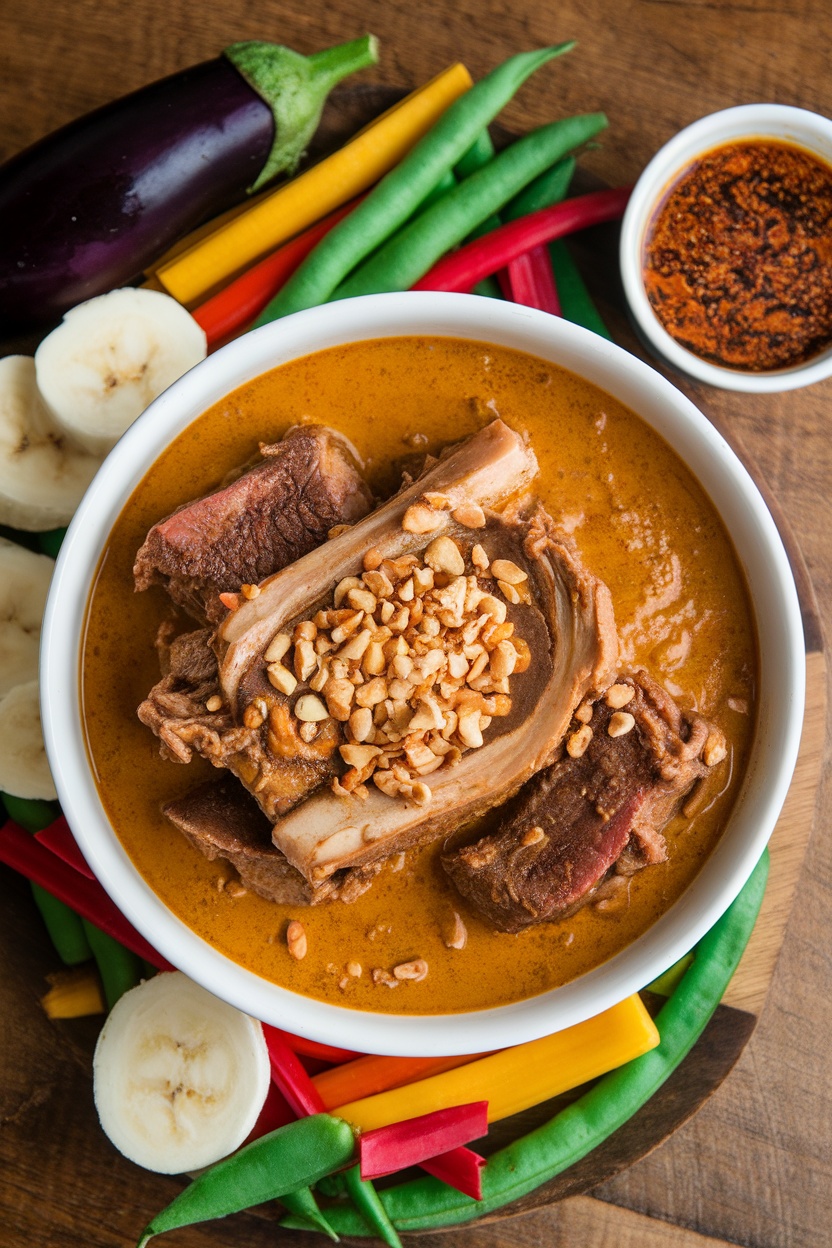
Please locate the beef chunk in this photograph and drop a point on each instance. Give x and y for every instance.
(601, 806)
(265, 746)
(264, 520)
(223, 821)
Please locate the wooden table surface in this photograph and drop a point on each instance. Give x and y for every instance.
(755, 1166)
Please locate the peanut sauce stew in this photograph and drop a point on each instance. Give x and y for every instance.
(641, 522)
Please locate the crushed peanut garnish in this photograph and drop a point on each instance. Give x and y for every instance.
(414, 659)
(416, 970)
(457, 937)
(296, 940)
(621, 722)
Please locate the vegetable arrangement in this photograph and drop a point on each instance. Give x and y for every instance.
(420, 200)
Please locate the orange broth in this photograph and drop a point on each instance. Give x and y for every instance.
(641, 522)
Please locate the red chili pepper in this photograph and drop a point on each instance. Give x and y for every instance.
(461, 270)
(59, 839)
(387, 1149)
(22, 852)
(530, 281)
(236, 305)
(290, 1077)
(460, 1168)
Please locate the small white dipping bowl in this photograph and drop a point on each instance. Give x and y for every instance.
(712, 462)
(806, 130)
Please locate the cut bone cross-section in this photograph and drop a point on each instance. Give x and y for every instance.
(559, 612)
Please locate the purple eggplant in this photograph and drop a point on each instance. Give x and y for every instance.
(92, 205)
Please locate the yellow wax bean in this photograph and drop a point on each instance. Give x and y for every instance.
(514, 1079)
(320, 190)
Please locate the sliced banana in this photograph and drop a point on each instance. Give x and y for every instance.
(24, 583)
(43, 474)
(179, 1076)
(110, 357)
(24, 771)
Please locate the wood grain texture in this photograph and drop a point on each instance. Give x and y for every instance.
(755, 1165)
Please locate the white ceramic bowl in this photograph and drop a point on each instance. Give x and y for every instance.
(750, 121)
(660, 405)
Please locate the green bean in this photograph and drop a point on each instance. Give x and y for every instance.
(575, 300)
(120, 970)
(31, 813)
(294, 1222)
(63, 925)
(293, 1156)
(481, 152)
(550, 188)
(303, 1207)
(369, 1207)
(66, 931)
(332, 1186)
(513, 1171)
(667, 983)
(399, 193)
(50, 543)
(409, 255)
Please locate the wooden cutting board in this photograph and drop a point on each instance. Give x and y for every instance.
(755, 1166)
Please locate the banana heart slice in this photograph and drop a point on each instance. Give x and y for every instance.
(24, 583)
(179, 1076)
(24, 771)
(43, 474)
(110, 357)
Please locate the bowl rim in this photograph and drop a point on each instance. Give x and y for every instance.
(803, 128)
(760, 551)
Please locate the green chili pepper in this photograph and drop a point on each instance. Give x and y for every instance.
(291, 1157)
(409, 255)
(369, 1207)
(400, 192)
(303, 1208)
(512, 1172)
(63, 925)
(575, 300)
(120, 970)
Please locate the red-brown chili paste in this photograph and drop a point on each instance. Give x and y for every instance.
(738, 258)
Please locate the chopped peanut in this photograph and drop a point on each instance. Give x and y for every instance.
(414, 657)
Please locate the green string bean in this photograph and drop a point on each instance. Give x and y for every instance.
(65, 929)
(303, 1209)
(409, 255)
(400, 192)
(120, 970)
(369, 1207)
(292, 1157)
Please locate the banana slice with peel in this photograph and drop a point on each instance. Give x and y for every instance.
(110, 357)
(179, 1076)
(24, 770)
(43, 473)
(24, 583)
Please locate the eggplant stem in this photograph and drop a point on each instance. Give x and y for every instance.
(295, 88)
